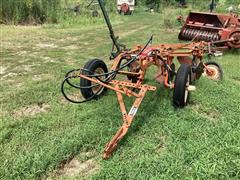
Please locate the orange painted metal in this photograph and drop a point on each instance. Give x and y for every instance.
(162, 56)
(127, 121)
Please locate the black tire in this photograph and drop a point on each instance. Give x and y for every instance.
(183, 79)
(218, 69)
(92, 66)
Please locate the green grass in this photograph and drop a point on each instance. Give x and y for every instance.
(200, 141)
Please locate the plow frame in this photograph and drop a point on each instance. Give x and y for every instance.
(139, 60)
(161, 56)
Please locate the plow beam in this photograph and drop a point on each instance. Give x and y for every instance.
(127, 119)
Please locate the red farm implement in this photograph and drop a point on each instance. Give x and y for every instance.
(222, 29)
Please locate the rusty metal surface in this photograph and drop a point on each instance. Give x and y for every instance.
(212, 27)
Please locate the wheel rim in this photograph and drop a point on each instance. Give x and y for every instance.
(212, 72)
(236, 43)
(98, 89)
(186, 90)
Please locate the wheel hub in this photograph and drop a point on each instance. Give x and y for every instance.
(212, 72)
(236, 39)
(97, 88)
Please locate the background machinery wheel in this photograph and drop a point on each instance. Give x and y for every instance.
(236, 36)
(94, 67)
(213, 71)
(125, 8)
(182, 81)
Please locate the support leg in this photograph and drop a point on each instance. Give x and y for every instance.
(127, 121)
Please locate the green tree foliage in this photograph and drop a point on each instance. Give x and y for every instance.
(40, 11)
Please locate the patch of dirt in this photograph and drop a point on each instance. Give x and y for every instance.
(31, 110)
(71, 47)
(82, 166)
(2, 113)
(75, 167)
(209, 114)
(21, 53)
(10, 75)
(46, 45)
(48, 59)
(3, 70)
(70, 38)
(162, 146)
(33, 55)
(76, 96)
(86, 43)
(41, 77)
(70, 61)
(37, 78)
(172, 30)
(128, 33)
(26, 67)
(18, 85)
(236, 79)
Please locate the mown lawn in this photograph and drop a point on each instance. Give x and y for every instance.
(41, 132)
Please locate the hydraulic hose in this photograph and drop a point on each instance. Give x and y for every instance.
(110, 75)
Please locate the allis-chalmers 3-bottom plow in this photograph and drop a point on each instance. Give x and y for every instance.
(95, 77)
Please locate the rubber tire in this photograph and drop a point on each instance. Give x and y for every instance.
(92, 65)
(180, 86)
(219, 67)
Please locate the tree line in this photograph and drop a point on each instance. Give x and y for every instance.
(41, 11)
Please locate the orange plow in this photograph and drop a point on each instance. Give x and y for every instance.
(94, 84)
(133, 64)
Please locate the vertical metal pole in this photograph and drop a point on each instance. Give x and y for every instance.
(107, 20)
(212, 6)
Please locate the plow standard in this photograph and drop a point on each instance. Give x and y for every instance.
(133, 64)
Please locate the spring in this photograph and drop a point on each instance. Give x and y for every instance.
(199, 34)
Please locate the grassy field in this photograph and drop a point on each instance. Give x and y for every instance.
(45, 137)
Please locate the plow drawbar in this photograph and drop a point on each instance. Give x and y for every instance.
(208, 27)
